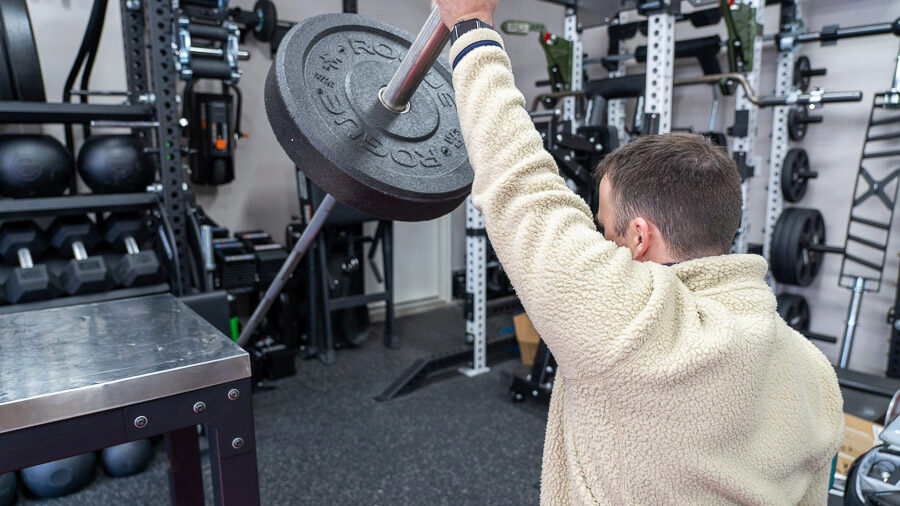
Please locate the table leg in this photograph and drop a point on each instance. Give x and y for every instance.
(185, 474)
(235, 479)
(232, 455)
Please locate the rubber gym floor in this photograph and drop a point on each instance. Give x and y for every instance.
(323, 439)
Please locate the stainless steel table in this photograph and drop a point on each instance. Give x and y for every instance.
(80, 378)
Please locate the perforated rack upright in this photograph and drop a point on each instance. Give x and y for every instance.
(148, 36)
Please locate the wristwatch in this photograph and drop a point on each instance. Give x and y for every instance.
(467, 25)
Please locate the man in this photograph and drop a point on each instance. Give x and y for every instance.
(678, 382)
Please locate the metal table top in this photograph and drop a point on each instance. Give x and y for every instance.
(71, 361)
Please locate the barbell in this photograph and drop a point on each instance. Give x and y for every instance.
(369, 115)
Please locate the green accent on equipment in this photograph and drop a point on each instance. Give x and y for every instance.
(557, 50)
(235, 328)
(740, 20)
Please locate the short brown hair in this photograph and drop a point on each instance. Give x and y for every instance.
(684, 184)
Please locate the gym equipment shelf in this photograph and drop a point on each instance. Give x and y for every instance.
(75, 204)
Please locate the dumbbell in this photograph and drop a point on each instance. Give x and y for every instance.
(20, 243)
(125, 232)
(74, 236)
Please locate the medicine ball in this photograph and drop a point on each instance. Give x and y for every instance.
(115, 164)
(61, 477)
(7, 488)
(33, 165)
(126, 459)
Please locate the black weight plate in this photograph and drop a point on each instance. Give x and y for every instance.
(796, 124)
(798, 232)
(796, 162)
(795, 311)
(814, 234)
(787, 255)
(28, 83)
(801, 73)
(781, 265)
(322, 102)
(792, 261)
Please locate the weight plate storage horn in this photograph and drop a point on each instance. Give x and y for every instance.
(797, 240)
(322, 99)
(21, 52)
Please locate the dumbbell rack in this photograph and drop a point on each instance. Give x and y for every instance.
(79, 205)
(148, 35)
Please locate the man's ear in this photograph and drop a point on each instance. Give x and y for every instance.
(640, 238)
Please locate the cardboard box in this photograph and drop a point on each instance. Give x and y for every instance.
(527, 337)
(859, 437)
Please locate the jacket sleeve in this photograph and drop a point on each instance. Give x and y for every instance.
(588, 299)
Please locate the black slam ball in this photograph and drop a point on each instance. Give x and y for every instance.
(34, 165)
(115, 164)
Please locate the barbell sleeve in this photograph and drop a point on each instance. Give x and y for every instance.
(831, 97)
(418, 61)
(811, 98)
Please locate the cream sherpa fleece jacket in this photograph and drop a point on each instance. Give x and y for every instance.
(676, 385)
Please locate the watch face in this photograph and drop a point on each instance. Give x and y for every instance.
(466, 26)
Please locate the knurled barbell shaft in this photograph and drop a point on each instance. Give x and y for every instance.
(418, 61)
